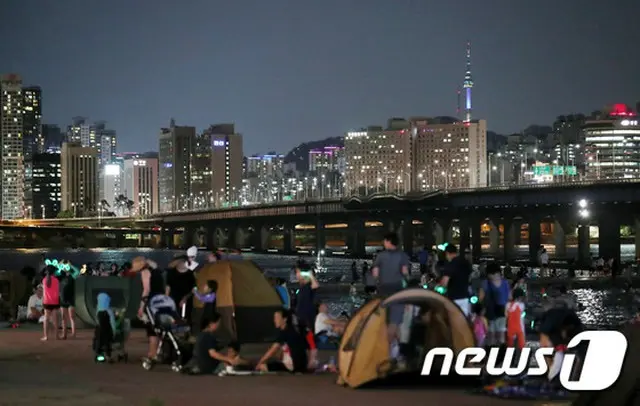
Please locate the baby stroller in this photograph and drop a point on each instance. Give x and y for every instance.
(123, 327)
(162, 313)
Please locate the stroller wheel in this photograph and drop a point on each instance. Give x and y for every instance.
(147, 364)
(176, 367)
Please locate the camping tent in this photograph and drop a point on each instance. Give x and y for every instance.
(364, 350)
(245, 300)
(626, 391)
(14, 287)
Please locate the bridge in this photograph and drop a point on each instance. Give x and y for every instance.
(501, 217)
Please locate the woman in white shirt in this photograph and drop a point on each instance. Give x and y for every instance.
(326, 325)
(34, 306)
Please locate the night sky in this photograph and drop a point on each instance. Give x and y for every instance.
(288, 71)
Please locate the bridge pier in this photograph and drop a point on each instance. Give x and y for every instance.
(535, 238)
(609, 236)
(476, 238)
(428, 232)
(584, 244)
(636, 229)
(510, 227)
(257, 237)
(494, 236)
(356, 238)
(465, 234)
(232, 237)
(559, 238)
(443, 232)
(168, 237)
(407, 235)
(288, 239)
(321, 237)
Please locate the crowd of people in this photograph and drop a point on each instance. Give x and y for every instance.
(304, 323)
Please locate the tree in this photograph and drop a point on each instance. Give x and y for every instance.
(65, 214)
(123, 205)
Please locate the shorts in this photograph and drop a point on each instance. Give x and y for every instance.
(151, 332)
(65, 304)
(51, 307)
(395, 313)
(464, 305)
(498, 325)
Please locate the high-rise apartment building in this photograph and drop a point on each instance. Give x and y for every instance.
(79, 179)
(46, 185)
(379, 159)
(612, 144)
(140, 184)
(33, 139)
(11, 155)
(104, 140)
(53, 138)
(417, 154)
(268, 167)
(201, 172)
(327, 159)
(95, 135)
(78, 130)
(111, 178)
(449, 154)
(226, 162)
(176, 146)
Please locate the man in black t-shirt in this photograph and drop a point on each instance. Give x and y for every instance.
(293, 343)
(208, 358)
(455, 278)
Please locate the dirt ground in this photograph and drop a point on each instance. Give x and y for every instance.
(63, 373)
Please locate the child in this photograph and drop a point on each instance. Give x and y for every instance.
(480, 324)
(514, 312)
(208, 298)
(50, 301)
(105, 327)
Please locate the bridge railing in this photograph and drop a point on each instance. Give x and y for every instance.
(374, 196)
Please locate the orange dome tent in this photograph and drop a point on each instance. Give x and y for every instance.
(363, 355)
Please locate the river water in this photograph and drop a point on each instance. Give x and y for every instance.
(600, 307)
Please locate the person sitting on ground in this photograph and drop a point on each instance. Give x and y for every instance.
(326, 326)
(207, 356)
(293, 344)
(35, 310)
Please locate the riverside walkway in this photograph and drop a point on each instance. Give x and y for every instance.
(63, 373)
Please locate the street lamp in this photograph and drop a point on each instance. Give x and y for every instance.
(584, 213)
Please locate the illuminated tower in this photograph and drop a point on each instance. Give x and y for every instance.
(468, 85)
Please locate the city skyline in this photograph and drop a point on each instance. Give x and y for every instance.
(303, 82)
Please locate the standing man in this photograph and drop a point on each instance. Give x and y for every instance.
(391, 269)
(455, 278)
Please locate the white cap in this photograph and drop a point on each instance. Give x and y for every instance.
(192, 251)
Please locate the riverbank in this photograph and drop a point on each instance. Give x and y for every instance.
(63, 373)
